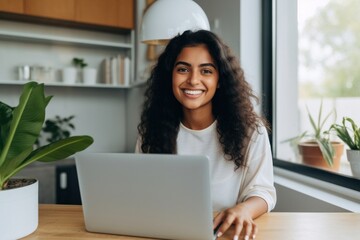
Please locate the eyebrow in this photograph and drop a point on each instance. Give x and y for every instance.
(201, 65)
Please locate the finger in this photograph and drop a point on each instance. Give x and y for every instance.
(248, 230)
(226, 224)
(218, 219)
(254, 231)
(238, 229)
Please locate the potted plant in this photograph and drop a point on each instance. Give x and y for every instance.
(88, 74)
(350, 135)
(316, 148)
(19, 128)
(70, 74)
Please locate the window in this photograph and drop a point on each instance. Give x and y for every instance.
(311, 52)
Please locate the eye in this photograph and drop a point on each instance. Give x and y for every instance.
(182, 70)
(206, 71)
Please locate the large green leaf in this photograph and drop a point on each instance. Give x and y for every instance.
(54, 151)
(27, 121)
(14, 163)
(5, 120)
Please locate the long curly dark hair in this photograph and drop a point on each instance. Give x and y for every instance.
(232, 102)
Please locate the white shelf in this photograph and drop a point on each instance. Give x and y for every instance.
(77, 85)
(38, 37)
(35, 33)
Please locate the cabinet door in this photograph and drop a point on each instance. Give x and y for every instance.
(126, 14)
(13, 6)
(99, 12)
(113, 13)
(57, 9)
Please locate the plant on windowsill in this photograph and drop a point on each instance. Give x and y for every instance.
(350, 135)
(316, 148)
(20, 126)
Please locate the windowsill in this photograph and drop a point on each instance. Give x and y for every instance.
(345, 168)
(334, 194)
(343, 180)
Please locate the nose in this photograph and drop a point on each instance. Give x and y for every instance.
(194, 78)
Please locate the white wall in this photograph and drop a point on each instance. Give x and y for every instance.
(226, 14)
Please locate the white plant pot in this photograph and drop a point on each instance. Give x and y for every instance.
(19, 211)
(69, 75)
(89, 76)
(353, 157)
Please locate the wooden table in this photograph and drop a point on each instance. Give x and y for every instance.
(66, 222)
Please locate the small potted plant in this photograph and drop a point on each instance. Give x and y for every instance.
(19, 128)
(316, 148)
(88, 74)
(349, 133)
(70, 74)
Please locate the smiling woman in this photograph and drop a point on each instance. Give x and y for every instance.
(198, 102)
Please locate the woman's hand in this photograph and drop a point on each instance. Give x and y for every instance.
(241, 216)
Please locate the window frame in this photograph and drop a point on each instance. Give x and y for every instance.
(268, 47)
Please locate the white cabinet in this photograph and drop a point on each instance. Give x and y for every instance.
(55, 47)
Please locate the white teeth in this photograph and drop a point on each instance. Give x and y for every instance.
(193, 92)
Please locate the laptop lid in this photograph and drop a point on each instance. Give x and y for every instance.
(150, 195)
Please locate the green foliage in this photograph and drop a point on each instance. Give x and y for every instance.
(318, 135)
(333, 33)
(349, 135)
(20, 127)
(79, 62)
(57, 129)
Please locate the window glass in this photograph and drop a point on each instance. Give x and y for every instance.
(317, 57)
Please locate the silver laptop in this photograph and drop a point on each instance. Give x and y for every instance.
(150, 195)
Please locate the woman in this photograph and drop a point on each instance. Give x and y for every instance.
(198, 102)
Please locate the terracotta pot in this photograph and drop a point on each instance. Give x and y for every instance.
(311, 155)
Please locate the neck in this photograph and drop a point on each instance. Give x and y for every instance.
(197, 120)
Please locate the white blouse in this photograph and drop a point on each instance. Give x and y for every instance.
(229, 187)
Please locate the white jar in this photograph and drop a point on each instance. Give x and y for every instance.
(69, 75)
(89, 75)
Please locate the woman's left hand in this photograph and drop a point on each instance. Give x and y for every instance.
(240, 217)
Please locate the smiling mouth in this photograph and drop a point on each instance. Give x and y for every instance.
(193, 92)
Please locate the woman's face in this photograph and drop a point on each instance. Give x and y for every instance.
(195, 78)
